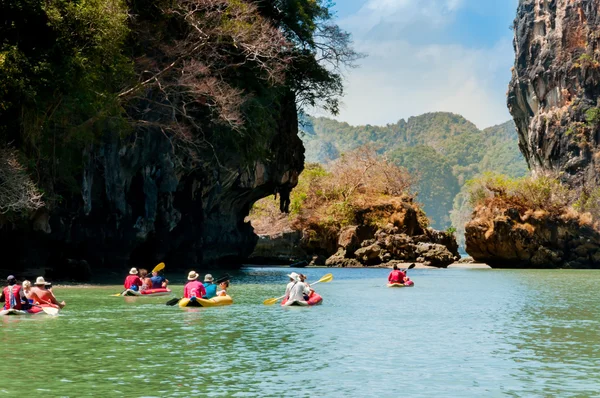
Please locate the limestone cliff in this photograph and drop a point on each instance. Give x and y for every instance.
(553, 95)
(553, 98)
(142, 202)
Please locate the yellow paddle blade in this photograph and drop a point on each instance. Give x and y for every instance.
(326, 278)
(270, 301)
(159, 267)
(116, 295)
(50, 310)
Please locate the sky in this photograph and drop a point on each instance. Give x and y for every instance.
(426, 56)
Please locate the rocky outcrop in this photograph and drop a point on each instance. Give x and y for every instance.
(403, 239)
(510, 239)
(142, 201)
(553, 95)
(553, 98)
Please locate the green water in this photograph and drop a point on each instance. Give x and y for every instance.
(457, 333)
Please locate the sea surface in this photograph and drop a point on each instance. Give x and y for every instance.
(457, 333)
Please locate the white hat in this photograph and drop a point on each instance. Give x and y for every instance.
(192, 276)
(294, 276)
(40, 281)
(208, 278)
(133, 271)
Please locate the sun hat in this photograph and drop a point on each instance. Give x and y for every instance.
(208, 278)
(133, 271)
(294, 276)
(40, 281)
(192, 276)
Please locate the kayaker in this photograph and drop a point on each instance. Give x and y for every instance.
(302, 279)
(293, 280)
(133, 281)
(297, 293)
(223, 286)
(396, 276)
(146, 282)
(158, 281)
(13, 294)
(27, 291)
(41, 295)
(193, 288)
(211, 288)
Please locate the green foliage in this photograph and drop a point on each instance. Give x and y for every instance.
(592, 117)
(61, 63)
(442, 150)
(436, 186)
(527, 193)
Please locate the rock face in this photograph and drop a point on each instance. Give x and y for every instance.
(553, 95)
(404, 239)
(553, 98)
(533, 240)
(139, 204)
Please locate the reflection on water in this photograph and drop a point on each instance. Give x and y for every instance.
(456, 333)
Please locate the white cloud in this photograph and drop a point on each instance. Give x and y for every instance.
(399, 80)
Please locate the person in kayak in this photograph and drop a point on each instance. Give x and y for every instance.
(211, 288)
(27, 292)
(223, 286)
(13, 294)
(146, 282)
(193, 288)
(297, 293)
(133, 281)
(158, 281)
(397, 276)
(293, 280)
(302, 279)
(41, 295)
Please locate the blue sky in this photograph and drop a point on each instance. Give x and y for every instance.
(428, 55)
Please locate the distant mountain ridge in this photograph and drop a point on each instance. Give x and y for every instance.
(444, 149)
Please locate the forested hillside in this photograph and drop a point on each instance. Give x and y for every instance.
(443, 150)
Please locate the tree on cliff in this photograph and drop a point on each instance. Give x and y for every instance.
(208, 74)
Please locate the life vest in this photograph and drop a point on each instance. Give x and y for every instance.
(396, 276)
(12, 298)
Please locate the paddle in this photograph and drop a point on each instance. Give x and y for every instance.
(158, 268)
(409, 267)
(324, 279)
(175, 300)
(49, 310)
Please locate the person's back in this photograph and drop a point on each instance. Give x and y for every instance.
(158, 281)
(12, 294)
(211, 289)
(396, 276)
(132, 281)
(41, 295)
(297, 293)
(194, 289)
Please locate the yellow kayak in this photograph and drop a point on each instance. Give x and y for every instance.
(399, 285)
(200, 302)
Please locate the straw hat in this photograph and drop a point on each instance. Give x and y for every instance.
(133, 271)
(192, 276)
(208, 278)
(293, 276)
(40, 281)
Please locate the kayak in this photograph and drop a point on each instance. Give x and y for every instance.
(32, 311)
(408, 284)
(217, 301)
(163, 291)
(314, 299)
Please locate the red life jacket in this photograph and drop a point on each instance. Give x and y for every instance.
(396, 276)
(16, 297)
